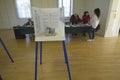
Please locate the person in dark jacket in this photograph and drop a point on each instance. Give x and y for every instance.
(29, 23)
(74, 19)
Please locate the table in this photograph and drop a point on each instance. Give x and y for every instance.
(72, 30)
(27, 30)
(75, 30)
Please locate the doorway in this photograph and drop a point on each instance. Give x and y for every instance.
(113, 21)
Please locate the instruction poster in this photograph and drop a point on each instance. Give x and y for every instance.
(48, 24)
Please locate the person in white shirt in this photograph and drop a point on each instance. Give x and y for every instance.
(94, 22)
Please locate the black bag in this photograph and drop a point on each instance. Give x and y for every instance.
(97, 28)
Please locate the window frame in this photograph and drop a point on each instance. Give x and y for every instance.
(71, 7)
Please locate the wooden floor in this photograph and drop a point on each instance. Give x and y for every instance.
(97, 60)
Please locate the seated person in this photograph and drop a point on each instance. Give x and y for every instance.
(86, 17)
(29, 23)
(74, 19)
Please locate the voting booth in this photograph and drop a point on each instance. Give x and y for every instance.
(49, 26)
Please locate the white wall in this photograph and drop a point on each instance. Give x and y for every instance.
(44, 3)
(9, 14)
(90, 5)
(4, 19)
(79, 7)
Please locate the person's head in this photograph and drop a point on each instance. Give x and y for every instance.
(29, 20)
(86, 13)
(75, 14)
(97, 12)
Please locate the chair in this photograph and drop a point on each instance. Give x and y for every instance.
(98, 28)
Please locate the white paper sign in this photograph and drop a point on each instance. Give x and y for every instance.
(48, 24)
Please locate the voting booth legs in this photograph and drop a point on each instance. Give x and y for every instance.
(1, 78)
(10, 57)
(66, 60)
(36, 58)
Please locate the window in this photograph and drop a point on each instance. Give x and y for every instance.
(67, 5)
(23, 8)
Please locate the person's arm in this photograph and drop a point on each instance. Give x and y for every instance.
(88, 18)
(79, 19)
(83, 20)
(27, 23)
(32, 23)
(71, 18)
